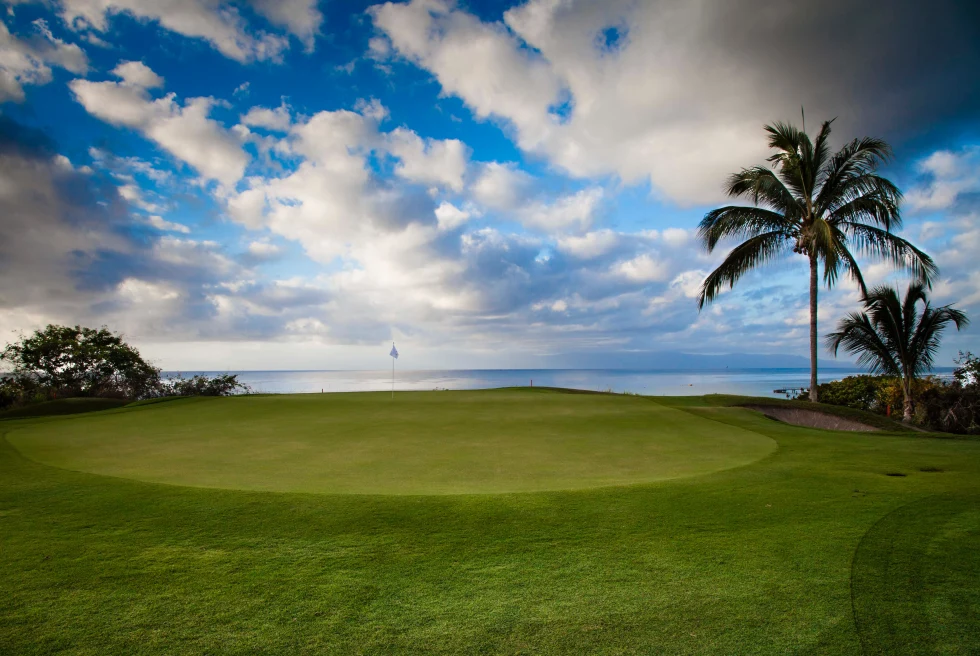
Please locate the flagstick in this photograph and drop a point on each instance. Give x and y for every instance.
(393, 379)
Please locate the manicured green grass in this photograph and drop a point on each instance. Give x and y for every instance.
(418, 443)
(811, 549)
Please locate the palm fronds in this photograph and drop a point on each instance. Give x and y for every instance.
(896, 336)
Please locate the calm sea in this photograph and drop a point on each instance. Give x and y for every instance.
(755, 382)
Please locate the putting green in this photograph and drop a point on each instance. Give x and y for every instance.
(419, 443)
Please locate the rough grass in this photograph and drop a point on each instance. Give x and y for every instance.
(813, 549)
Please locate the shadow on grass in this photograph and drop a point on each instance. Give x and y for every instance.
(913, 579)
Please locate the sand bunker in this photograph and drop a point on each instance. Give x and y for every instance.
(810, 418)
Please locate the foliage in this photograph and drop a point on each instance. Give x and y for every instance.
(70, 361)
(860, 392)
(73, 361)
(878, 394)
(968, 371)
(221, 385)
(825, 207)
(955, 407)
(893, 337)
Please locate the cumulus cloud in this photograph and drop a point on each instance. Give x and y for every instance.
(218, 22)
(451, 217)
(643, 268)
(501, 186)
(70, 251)
(300, 17)
(949, 175)
(571, 213)
(137, 74)
(160, 223)
(277, 120)
(428, 161)
(185, 131)
(633, 89)
(28, 61)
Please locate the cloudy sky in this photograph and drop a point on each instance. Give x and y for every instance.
(262, 184)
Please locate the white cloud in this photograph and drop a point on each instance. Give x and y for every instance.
(501, 186)
(429, 161)
(676, 237)
(277, 119)
(186, 132)
(646, 109)
(482, 63)
(264, 250)
(216, 21)
(571, 213)
(950, 175)
(326, 200)
(28, 62)
(160, 223)
(643, 269)
(451, 217)
(300, 17)
(137, 74)
(590, 245)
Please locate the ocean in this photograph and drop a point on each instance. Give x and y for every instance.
(754, 382)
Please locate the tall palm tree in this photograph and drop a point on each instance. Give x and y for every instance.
(892, 337)
(825, 207)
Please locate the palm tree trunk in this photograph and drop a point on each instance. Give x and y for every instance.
(907, 407)
(813, 327)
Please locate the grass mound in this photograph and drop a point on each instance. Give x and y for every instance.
(63, 407)
(419, 443)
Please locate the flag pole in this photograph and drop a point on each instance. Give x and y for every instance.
(394, 356)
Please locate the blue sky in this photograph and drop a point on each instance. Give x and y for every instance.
(293, 184)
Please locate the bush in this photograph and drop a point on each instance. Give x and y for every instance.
(955, 407)
(868, 393)
(73, 361)
(939, 406)
(70, 361)
(223, 385)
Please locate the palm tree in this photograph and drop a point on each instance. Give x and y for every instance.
(825, 207)
(892, 337)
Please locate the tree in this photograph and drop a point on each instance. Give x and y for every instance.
(893, 337)
(826, 208)
(220, 385)
(75, 361)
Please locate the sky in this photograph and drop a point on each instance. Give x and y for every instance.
(294, 184)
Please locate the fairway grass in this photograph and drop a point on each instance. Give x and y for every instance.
(419, 443)
(813, 549)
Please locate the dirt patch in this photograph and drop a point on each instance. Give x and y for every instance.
(810, 418)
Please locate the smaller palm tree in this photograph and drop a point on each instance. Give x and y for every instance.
(892, 337)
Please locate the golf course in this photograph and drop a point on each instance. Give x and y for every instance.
(513, 521)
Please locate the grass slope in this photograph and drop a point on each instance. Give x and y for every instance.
(813, 549)
(418, 443)
(63, 407)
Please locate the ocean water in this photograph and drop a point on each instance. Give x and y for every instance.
(754, 382)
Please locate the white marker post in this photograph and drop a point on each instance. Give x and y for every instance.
(394, 356)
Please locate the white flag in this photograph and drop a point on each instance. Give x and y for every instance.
(394, 351)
